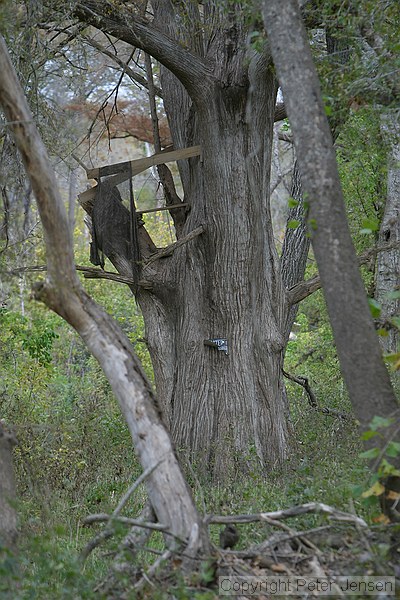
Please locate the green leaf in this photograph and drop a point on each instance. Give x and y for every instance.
(367, 435)
(372, 453)
(369, 225)
(312, 224)
(293, 224)
(378, 422)
(395, 321)
(393, 449)
(370, 501)
(393, 358)
(386, 468)
(357, 490)
(328, 110)
(382, 332)
(292, 203)
(374, 307)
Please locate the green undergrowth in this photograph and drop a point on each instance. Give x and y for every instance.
(75, 455)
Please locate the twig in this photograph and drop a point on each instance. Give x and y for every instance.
(133, 487)
(152, 570)
(305, 288)
(136, 77)
(94, 542)
(110, 519)
(104, 517)
(89, 273)
(292, 533)
(303, 381)
(294, 511)
(79, 161)
(253, 553)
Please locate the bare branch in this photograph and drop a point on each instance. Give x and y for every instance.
(303, 381)
(135, 77)
(133, 487)
(305, 288)
(280, 112)
(164, 173)
(189, 68)
(104, 517)
(145, 579)
(302, 290)
(295, 511)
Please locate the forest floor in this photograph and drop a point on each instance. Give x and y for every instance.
(326, 561)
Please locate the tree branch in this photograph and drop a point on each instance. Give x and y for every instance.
(280, 112)
(302, 290)
(106, 518)
(136, 77)
(164, 252)
(190, 69)
(294, 511)
(303, 381)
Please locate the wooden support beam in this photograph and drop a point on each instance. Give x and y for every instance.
(160, 208)
(122, 170)
(142, 164)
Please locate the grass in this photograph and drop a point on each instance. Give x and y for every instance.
(323, 467)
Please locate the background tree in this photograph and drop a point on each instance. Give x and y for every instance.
(357, 344)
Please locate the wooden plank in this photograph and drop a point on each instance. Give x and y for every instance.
(160, 208)
(141, 164)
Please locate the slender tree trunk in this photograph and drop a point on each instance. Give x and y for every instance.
(62, 292)
(387, 279)
(357, 344)
(8, 514)
(295, 246)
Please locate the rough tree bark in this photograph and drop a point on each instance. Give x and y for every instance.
(62, 292)
(387, 278)
(8, 513)
(295, 246)
(223, 409)
(357, 344)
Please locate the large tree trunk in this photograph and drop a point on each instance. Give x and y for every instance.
(224, 409)
(227, 285)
